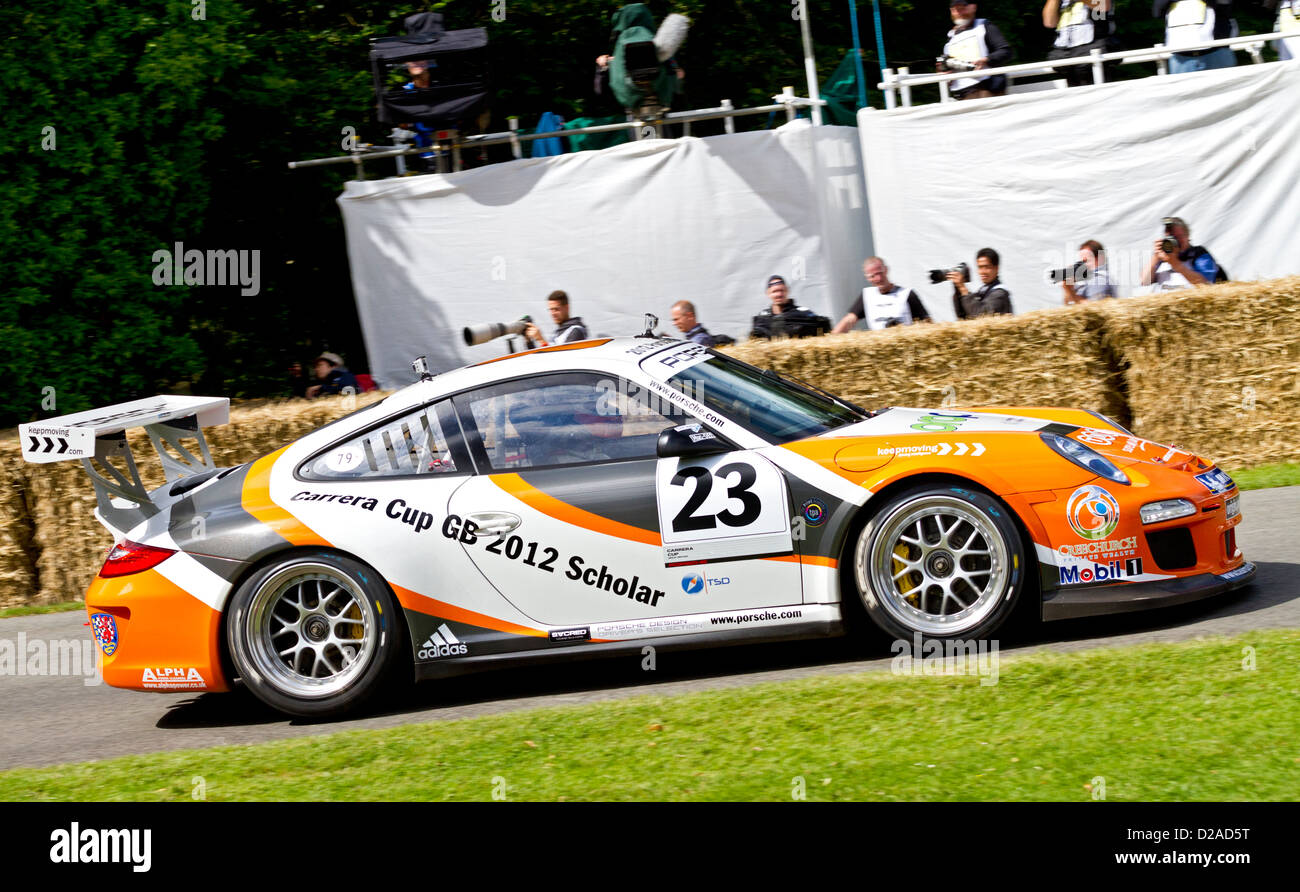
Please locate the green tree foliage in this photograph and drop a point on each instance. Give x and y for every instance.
(132, 126)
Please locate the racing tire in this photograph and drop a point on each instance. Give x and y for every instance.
(941, 561)
(315, 634)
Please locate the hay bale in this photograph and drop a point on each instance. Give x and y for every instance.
(1215, 370)
(17, 568)
(1046, 357)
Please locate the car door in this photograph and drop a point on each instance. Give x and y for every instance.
(569, 506)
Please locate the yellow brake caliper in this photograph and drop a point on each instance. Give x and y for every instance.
(907, 584)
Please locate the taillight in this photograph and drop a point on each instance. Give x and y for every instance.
(128, 557)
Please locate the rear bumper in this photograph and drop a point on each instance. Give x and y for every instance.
(1098, 600)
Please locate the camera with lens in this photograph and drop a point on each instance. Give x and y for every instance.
(1077, 273)
(952, 64)
(1169, 245)
(483, 332)
(938, 275)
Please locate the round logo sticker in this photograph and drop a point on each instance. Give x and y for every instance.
(1093, 513)
(693, 584)
(814, 512)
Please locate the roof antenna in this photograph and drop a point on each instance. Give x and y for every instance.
(651, 320)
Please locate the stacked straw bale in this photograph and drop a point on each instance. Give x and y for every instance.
(1214, 370)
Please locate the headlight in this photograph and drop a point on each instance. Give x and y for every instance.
(1088, 459)
(1169, 509)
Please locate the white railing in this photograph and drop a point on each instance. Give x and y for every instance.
(451, 142)
(898, 84)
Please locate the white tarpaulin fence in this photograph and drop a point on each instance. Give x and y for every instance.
(624, 231)
(1034, 175)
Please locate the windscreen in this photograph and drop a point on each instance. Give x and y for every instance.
(762, 403)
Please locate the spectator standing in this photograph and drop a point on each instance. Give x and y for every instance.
(784, 318)
(568, 328)
(1288, 22)
(990, 299)
(421, 79)
(1081, 26)
(683, 313)
(1189, 22)
(975, 42)
(1187, 265)
(1098, 284)
(883, 304)
(334, 377)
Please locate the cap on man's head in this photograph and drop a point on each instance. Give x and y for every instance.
(331, 358)
(1176, 221)
(772, 280)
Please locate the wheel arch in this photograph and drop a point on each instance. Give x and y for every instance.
(255, 566)
(850, 604)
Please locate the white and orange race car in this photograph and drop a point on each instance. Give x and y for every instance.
(597, 497)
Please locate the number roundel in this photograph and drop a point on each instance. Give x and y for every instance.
(751, 506)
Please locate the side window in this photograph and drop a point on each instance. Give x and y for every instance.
(409, 445)
(565, 419)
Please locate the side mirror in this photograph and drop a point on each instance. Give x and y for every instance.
(689, 441)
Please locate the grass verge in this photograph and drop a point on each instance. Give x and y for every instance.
(34, 609)
(1265, 476)
(1186, 721)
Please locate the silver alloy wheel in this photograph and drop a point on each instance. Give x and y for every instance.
(311, 630)
(937, 564)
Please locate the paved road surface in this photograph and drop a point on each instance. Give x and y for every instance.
(48, 720)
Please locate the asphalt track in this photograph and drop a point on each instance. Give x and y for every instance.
(51, 719)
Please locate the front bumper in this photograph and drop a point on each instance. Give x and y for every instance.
(1098, 600)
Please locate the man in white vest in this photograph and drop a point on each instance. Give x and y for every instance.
(974, 44)
(883, 304)
(1081, 26)
(1192, 22)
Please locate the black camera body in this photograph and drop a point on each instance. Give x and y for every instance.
(1169, 245)
(939, 275)
(1077, 273)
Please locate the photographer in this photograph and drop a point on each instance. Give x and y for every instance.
(570, 328)
(784, 318)
(974, 44)
(1081, 26)
(883, 304)
(1095, 284)
(1177, 263)
(990, 299)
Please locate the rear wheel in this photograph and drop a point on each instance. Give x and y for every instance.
(314, 634)
(942, 561)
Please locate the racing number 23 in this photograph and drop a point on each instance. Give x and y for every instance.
(687, 520)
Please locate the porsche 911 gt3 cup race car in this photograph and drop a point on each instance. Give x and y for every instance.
(593, 498)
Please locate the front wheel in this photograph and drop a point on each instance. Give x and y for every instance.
(941, 561)
(314, 634)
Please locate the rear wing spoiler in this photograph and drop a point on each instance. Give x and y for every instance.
(97, 437)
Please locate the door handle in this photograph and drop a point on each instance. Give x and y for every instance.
(494, 523)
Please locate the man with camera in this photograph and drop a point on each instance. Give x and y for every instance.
(784, 318)
(570, 328)
(990, 299)
(974, 44)
(1089, 279)
(1177, 263)
(883, 304)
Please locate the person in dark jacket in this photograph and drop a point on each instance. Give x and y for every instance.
(785, 318)
(990, 299)
(334, 377)
(569, 328)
